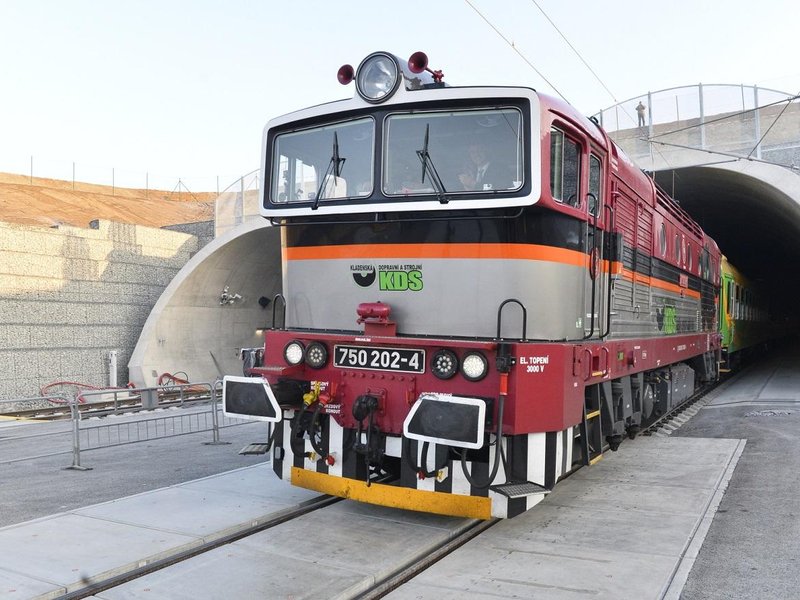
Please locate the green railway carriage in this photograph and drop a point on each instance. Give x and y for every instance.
(745, 319)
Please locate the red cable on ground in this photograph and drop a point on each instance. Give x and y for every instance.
(43, 391)
(166, 378)
(81, 386)
(169, 379)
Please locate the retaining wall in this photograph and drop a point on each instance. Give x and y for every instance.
(69, 296)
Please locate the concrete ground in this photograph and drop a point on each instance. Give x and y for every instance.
(622, 528)
(752, 549)
(42, 487)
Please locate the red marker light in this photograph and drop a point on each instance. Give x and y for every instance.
(345, 74)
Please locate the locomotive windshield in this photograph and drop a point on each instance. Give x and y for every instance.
(440, 154)
(333, 161)
(454, 151)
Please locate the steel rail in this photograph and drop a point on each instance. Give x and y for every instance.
(92, 587)
(61, 411)
(408, 571)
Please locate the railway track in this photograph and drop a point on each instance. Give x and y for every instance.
(409, 571)
(373, 588)
(254, 527)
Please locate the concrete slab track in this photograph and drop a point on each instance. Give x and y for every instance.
(586, 535)
(642, 523)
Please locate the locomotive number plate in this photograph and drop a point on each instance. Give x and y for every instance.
(379, 359)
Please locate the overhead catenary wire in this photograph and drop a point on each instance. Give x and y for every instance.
(721, 153)
(778, 118)
(592, 71)
(531, 65)
(649, 139)
(578, 54)
(528, 62)
(749, 157)
(517, 50)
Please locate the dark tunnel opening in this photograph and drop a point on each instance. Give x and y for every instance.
(756, 225)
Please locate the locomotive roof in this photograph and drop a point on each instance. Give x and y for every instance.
(624, 167)
(621, 163)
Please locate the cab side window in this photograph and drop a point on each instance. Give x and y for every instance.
(564, 168)
(595, 184)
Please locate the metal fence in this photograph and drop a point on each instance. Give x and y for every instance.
(23, 443)
(237, 203)
(33, 167)
(735, 121)
(110, 418)
(686, 103)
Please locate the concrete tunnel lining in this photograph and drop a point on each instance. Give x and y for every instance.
(752, 210)
(189, 330)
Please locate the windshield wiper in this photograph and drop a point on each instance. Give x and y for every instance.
(334, 167)
(429, 168)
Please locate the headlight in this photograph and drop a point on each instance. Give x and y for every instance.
(294, 353)
(444, 364)
(474, 366)
(316, 355)
(378, 77)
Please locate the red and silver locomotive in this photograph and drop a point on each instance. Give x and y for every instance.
(481, 293)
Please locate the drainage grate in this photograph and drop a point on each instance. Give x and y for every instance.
(768, 413)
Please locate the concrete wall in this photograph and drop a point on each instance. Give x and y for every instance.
(191, 329)
(69, 295)
(202, 230)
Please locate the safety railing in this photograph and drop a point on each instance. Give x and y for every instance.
(238, 203)
(734, 121)
(26, 443)
(686, 103)
(109, 418)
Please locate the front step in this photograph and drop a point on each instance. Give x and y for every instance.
(257, 448)
(519, 490)
(591, 430)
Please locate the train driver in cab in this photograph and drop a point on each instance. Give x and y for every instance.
(480, 172)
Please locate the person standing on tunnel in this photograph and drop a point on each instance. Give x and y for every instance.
(640, 108)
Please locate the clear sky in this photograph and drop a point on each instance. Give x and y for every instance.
(183, 88)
